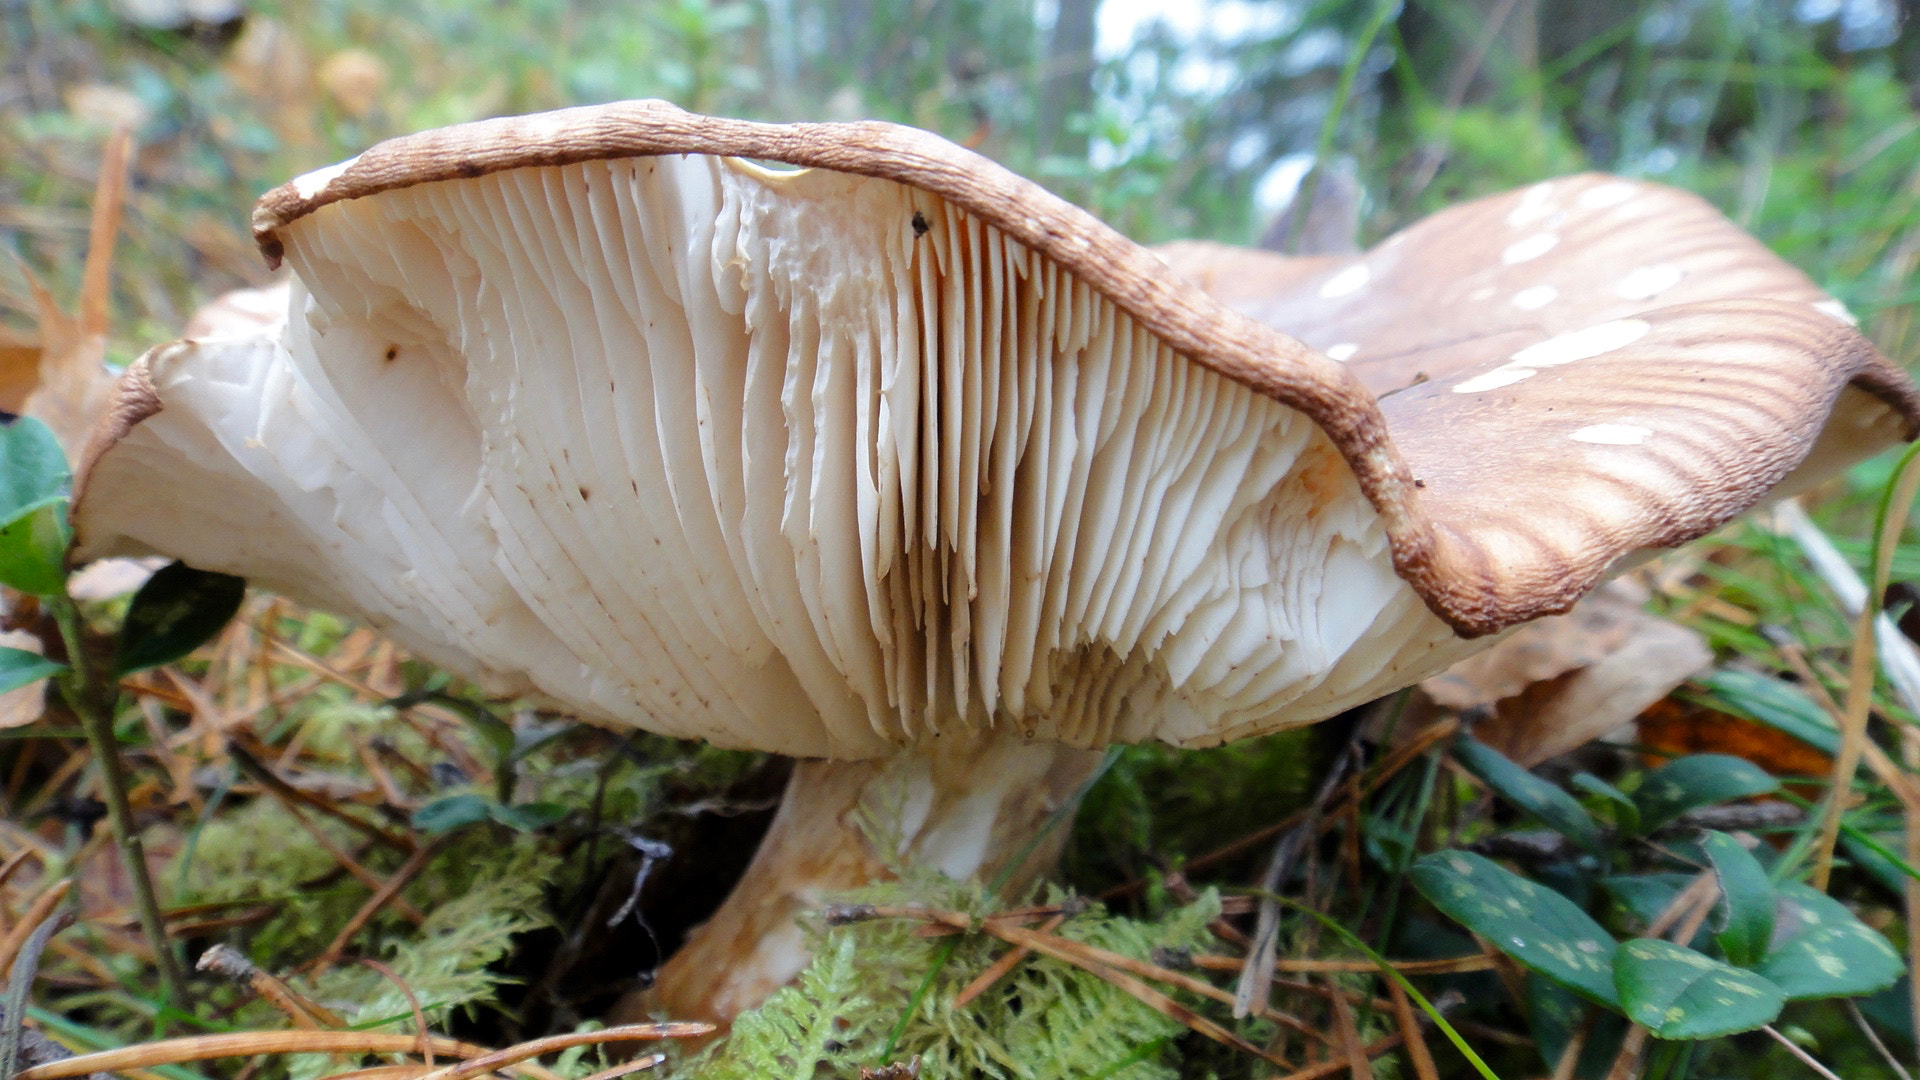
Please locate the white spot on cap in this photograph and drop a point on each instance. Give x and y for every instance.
(1531, 248)
(1565, 349)
(307, 185)
(1612, 193)
(1612, 434)
(1484, 292)
(1504, 375)
(1343, 351)
(1583, 344)
(1836, 310)
(1535, 298)
(1351, 280)
(1532, 206)
(1647, 282)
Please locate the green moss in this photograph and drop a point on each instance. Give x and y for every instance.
(1046, 1019)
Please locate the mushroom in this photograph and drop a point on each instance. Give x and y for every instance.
(898, 464)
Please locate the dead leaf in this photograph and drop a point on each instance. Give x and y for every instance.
(19, 369)
(1559, 683)
(23, 706)
(107, 106)
(105, 579)
(72, 383)
(354, 79)
(273, 69)
(241, 312)
(1676, 728)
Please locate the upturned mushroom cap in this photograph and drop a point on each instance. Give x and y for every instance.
(832, 461)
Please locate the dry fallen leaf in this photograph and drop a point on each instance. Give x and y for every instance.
(23, 706)
(1674, 728)
(240, 312)
(19, 369)
(354, 79)
(72, 382)
(1558, 684)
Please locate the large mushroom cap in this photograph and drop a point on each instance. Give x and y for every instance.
(836, 460)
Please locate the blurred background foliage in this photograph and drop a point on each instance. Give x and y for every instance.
(1296, 123)
(1200, 118)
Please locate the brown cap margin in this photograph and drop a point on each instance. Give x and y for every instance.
(1457, 586)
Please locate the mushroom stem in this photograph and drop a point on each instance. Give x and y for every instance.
(966, 807)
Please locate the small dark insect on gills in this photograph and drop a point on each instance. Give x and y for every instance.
(920, 225)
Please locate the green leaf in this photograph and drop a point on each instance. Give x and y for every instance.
(1625, 814)
(1645, 896)
(1779, 705)
(1698, 780)
(1827, 952)
(452, 812)
(33, 469)
(527, 817)
(1677, 993)
(1558, 810)
(34, 480)
(177, 610)
(1542, 930)
(33, 550)
(18, 667)
(1745, 913)
(1555, 1015)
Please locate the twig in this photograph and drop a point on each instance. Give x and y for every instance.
(250, 1043)
(37, 912)
(1348, 1030)
(381, 897)
(1886, 1054)
(1111, 966)
(305, 1014)
(1388, 767)
(1417, 1053)
(1806, 1059)
(1256, 977)
(420, 1030)
(20, 985)
(1000, 968)
(286, 792)
(1451, 965)
(1871, 628)
(513, 1055)
(87, 690)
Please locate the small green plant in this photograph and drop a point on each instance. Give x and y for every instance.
(1727, 942)
(173, 613)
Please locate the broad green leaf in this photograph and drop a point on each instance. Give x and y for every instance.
(1542, 930)
(18, 667)
(178, 609)
(1826, 951)
(527, 817)
(1779, 705)
(1871, 853)
(1555, 1015)
(1698, 780)
(1744, 923)
(1625, 814)
(1645, 896)
(1555, 808)
(34, 480)
(459, 811)
(1677, 993)
(453, 812)
(33, 470)
(33, 549)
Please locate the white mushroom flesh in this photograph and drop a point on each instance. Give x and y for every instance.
(808, 462)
